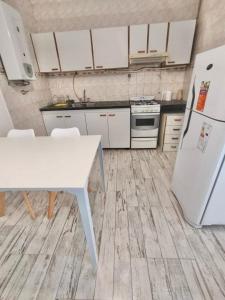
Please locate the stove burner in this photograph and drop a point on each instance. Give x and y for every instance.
(144, 102)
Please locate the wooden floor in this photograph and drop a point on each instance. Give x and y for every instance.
(146, 249)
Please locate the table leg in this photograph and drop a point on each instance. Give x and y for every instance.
(2, 204)
(100, 155)
(85, 212)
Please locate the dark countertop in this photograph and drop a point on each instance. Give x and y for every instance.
(166, 106)
(89, 105)
(172, 106)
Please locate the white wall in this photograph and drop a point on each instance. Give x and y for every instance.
(5, 119)
(24, 109)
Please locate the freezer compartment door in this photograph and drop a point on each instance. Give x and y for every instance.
(199, 157)
(207, 88)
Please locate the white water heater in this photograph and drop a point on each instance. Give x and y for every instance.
(14, 49)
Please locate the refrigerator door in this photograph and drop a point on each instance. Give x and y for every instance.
(214, 214)
(207, 89)
(200, 155)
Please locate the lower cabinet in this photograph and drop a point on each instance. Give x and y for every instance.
(170, 131)
(112, 124)
(97, 123)
(64, 119)
(119, 128)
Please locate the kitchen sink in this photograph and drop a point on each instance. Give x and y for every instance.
(85, 104)
(71, 105)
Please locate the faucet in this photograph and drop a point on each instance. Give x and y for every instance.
(84, 95)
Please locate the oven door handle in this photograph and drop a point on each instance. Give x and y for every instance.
(146, 114)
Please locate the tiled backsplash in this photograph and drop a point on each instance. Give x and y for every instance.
(108, 87)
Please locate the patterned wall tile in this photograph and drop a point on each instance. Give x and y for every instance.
(55, 15)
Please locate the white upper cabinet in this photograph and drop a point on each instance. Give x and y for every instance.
(138, 38)
(157, 37)
(74, 49)
(45, 50)
(110, 46)
(181, 35)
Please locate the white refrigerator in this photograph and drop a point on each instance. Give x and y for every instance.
(199, 175)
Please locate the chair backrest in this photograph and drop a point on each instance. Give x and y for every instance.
(23, 133)
(65, 132)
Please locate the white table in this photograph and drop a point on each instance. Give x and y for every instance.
(52, 164)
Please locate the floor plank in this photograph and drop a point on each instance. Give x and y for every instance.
(159, 279)
(19, 277)
(137, 246)
(195, 280)
(177, 280)
(104, 279)
(122, 272)
(140, 279)
(165, 239)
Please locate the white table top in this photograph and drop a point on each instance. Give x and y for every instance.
(46, 162)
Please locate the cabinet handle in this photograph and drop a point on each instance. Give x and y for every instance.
(171, 62)
(176, 129)
(175, 138)
(177, 120)
(88, 68)
(99, 67)
(141, 51)
(54, 69)
(153, 51)
(59, 116)
(111, 115)
(67, 116)
(102, 115)
(174, 147)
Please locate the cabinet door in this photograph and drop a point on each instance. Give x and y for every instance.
(138, 38)
(119, 128)
(74, 49)
(181, 35)
(157, 37)
(45, 50)
(97, 124)
(76, 119)
(53, 119)
(110, 46)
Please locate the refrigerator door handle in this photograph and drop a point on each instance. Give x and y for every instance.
(190, 114)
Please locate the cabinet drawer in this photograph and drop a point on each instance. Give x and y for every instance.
(170, 147)
(172, 138)
(173, 129)
(174, 120)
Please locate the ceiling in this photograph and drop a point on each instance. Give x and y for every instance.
(61, 15)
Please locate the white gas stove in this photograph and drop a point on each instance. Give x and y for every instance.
(145, 115)
(144, 104)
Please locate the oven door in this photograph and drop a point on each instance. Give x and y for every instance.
(144, 124)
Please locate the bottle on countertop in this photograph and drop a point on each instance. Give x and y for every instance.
(179, 95)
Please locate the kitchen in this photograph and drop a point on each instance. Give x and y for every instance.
(122, 76)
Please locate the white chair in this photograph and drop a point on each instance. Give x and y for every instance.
(60, 133)
(28, 133)
(20, 133)
(65, 132)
